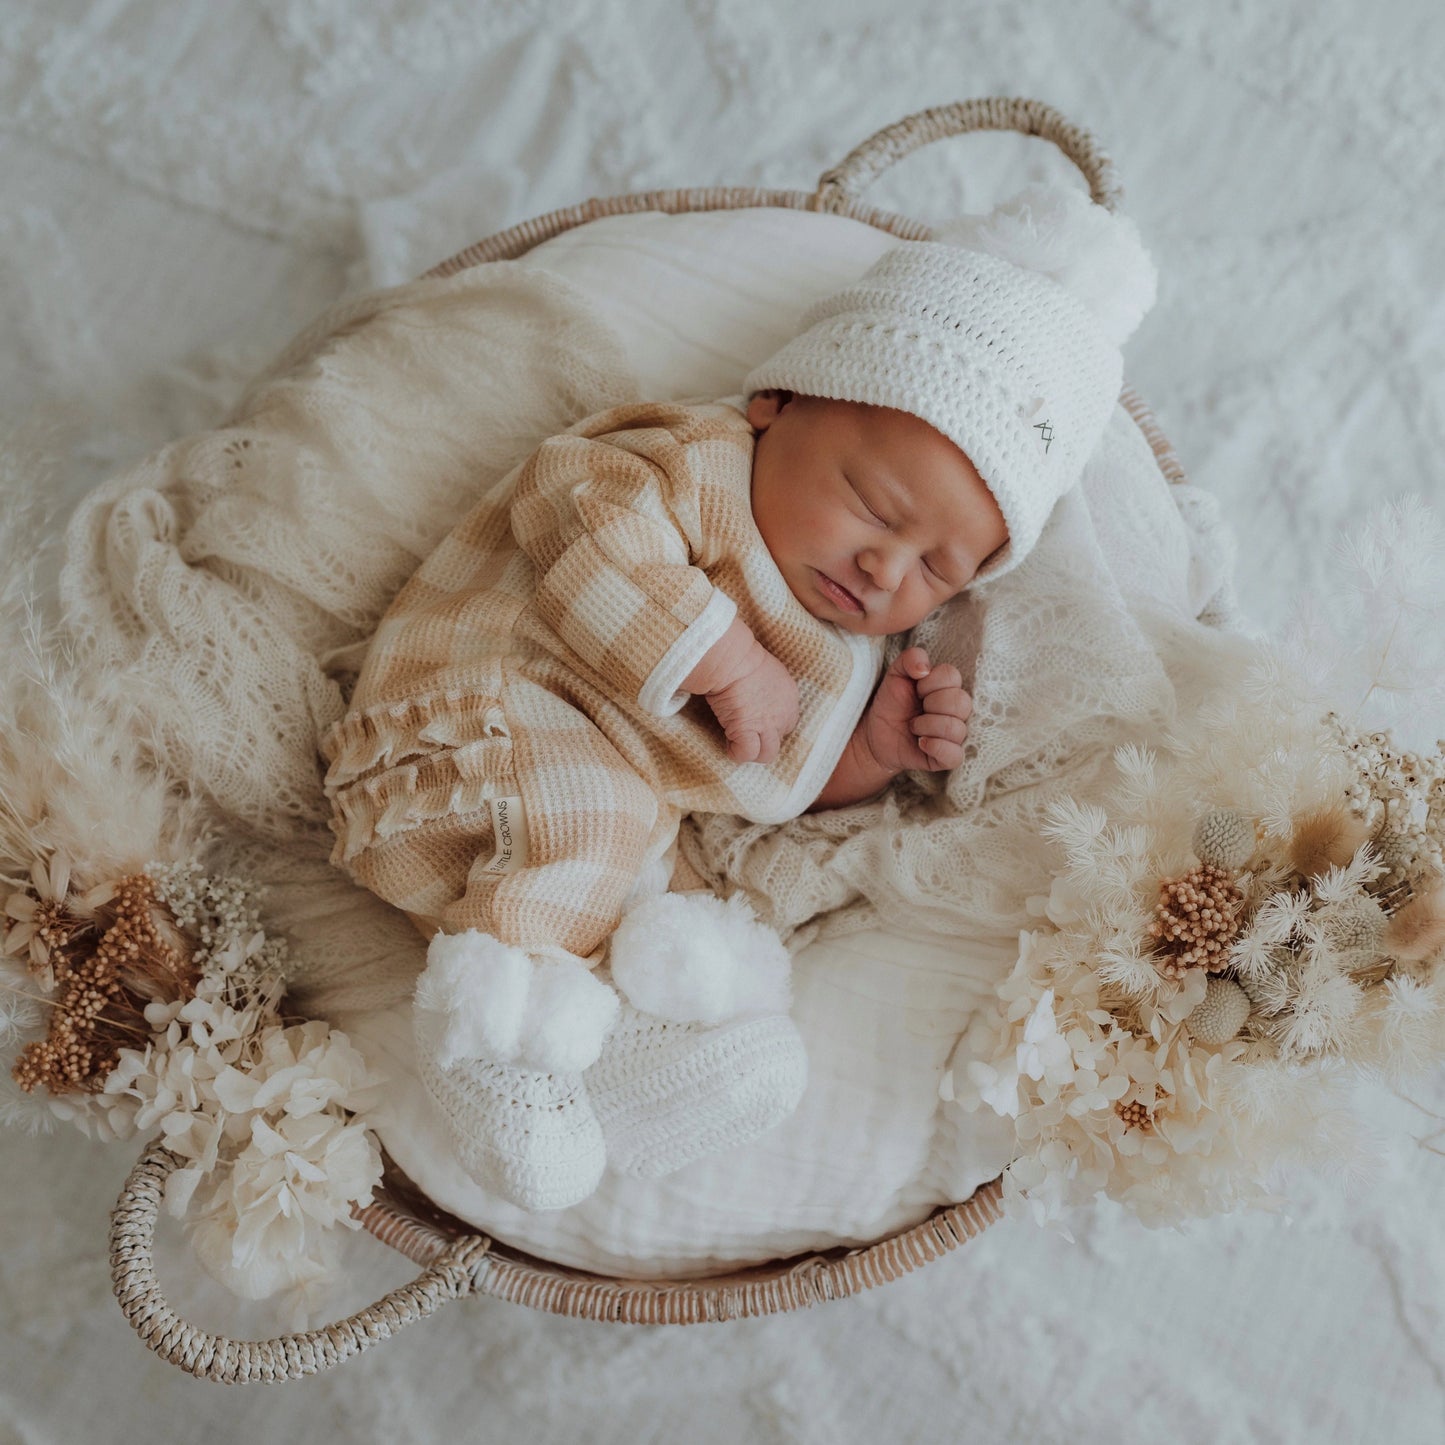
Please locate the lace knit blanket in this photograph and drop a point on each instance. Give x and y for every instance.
(233, 581)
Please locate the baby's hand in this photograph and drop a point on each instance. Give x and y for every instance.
(757, 709)
(919, 716)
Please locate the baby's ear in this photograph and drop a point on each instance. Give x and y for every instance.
(764, 406)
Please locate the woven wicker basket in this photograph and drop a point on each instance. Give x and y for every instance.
(456, 1260)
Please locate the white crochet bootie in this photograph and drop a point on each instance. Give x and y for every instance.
(501, 1044)
(703, 1056)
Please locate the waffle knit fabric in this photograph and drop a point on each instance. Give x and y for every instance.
(536, 657)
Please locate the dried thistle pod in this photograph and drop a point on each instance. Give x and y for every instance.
(1354, 926)
(1397, 850)
(1326, 838)
(1224, 838)
(1220, 1014)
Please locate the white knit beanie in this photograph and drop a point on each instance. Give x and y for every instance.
(1003, 334)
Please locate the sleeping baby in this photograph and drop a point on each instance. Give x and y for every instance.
(685, 608)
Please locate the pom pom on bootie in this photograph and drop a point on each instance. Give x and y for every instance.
(496, 1003)
(501, 1042)
(696, 958)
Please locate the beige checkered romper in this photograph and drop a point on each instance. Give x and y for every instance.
(518, 750)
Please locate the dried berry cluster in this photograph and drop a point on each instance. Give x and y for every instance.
(106, 969)
(1135, 1116)
(1196, 920)
(1402, 795)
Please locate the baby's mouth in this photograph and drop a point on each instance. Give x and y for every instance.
(839, 594)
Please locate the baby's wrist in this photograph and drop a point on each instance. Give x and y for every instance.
(866, 760)
(728, 659)
(857, 777)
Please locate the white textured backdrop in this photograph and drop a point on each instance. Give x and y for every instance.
(185, 184)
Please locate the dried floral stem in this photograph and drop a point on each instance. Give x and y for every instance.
(44, 999)
(1416, 1104)
(1380, 662)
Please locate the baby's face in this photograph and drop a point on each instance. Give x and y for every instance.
(872, 516)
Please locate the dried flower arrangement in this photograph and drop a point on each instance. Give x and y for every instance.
(1253, 919)
(145, 996)
(160, 998)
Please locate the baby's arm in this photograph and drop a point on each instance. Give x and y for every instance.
(750, 692)
(918, 719)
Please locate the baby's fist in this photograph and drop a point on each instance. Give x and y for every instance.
(758, 709)
(919, 716)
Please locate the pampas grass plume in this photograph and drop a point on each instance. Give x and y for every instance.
(1417, 931)
(1326, 838)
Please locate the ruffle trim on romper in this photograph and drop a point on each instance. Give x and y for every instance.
(396, 766)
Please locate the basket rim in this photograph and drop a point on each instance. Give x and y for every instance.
(403, 1217)
(515, 241)
(457, 1259)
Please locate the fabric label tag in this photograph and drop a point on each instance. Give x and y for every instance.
(509, 829)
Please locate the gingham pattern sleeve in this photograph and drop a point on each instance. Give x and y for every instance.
(611, 524)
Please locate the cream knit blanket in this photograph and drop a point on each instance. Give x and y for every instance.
(233, 580)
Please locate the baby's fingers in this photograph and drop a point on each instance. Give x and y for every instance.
(939, 725)
(943, 678)
(940, 739)
(913, 663)
(948, 702)
(940, 754)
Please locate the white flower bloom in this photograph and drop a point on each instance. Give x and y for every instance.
(1253, 956)
(1067, 903)
(1132, 974)
(1280, 917)
(1042, 1051)
(268, 1271)
(995, 1085)
(1320, 1018)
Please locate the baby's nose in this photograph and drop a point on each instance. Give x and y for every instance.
(884, 566)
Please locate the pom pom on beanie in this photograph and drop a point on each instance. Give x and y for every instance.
(1060, 233)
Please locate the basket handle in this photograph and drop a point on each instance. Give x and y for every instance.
(845, 182)
(450, 1275)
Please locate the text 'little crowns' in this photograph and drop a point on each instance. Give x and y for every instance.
(509, 833)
